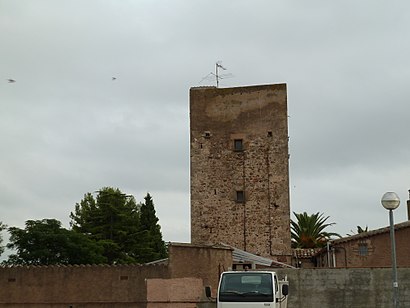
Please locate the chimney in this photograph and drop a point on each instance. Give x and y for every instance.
(408, 207)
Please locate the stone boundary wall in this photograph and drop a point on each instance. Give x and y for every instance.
(177, 282)
(341, 288)
(166, 284)
(77, 286)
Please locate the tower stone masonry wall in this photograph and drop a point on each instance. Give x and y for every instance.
(257, 117)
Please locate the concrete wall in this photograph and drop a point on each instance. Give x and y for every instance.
(341, 288)
(257, 115)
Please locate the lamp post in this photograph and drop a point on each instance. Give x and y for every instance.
(391, 201)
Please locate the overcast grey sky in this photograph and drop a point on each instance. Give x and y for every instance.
(67, 128)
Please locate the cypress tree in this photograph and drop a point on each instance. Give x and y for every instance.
(153, 247)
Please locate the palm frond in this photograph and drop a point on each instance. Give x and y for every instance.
(308, 230)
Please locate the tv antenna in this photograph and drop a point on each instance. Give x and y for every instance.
(217, 75)
(218, 65)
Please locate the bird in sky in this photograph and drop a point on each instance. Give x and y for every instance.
(11, 80)
(114, 78)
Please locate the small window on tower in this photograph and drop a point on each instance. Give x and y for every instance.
(240, 196)
(238, 144)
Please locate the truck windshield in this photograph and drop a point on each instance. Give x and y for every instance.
(246, 287)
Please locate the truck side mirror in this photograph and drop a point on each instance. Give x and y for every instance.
(285, 290)
(208, 291)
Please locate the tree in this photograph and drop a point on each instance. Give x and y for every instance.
(153, 247)
(359, 230)
(112, 220)
(2, 227)
(45, 242)
(308, 230)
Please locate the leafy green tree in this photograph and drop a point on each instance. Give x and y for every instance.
(308, 230)
(2, 227)
(112, 220)
(46, 242)
(153, 247)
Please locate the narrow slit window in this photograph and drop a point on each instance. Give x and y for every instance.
(240, 196)
(238, 144)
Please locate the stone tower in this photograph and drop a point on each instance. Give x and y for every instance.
(239, 169)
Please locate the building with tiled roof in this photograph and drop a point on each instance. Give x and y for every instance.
(304, 257)
(367, 249)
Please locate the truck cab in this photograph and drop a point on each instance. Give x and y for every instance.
(247, 289)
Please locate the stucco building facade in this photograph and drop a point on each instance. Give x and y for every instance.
(239, 169)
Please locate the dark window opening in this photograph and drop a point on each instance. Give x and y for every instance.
(240, 196)
(238, 144)
(207, 134)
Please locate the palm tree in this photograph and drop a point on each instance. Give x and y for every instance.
(359, 230)
(308, 230)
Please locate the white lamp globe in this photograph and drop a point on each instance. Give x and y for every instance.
(390, 201)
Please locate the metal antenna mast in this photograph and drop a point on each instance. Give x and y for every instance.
(217, 75)
(217, 66)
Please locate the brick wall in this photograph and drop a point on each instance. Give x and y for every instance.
(371, 249)
(257, 115)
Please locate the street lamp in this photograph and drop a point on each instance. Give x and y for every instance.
(391, 201)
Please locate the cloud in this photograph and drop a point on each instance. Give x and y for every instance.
(67, 128)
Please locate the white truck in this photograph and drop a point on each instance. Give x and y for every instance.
(248, 289)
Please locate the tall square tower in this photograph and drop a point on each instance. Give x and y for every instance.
(239, 169)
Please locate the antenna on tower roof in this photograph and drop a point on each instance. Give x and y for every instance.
(217, 75)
